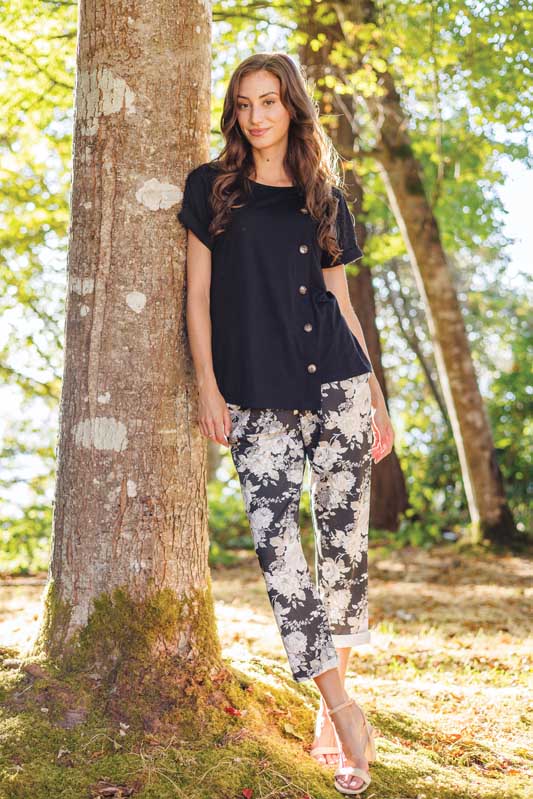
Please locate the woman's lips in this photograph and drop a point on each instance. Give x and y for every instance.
(259, 131)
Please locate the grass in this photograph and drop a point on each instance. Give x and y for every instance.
(446, 679)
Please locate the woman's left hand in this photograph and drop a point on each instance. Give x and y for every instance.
(383, 432)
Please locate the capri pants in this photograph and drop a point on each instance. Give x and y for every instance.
(269, 448)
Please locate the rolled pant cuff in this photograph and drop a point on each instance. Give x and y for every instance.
(331, 664)
(354, 639)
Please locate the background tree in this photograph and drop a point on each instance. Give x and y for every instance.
(360, 59)
(388, 495)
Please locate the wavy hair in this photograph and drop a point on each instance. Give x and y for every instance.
(310, 160)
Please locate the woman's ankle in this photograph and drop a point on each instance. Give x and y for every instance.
(350, 731)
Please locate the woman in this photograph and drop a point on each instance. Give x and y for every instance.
(284, 376)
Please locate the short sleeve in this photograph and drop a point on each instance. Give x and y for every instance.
(346, 237)
(195, 212)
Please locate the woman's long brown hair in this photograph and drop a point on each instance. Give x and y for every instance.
(310, 160)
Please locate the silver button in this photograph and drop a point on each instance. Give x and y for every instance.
(303, 289)
(308, 327)
(304, 210)
(311, 367)
(303, 248)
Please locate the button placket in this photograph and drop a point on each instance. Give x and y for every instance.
(308, 327)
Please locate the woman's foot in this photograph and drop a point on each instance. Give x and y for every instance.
(352, 736)
(325, 739)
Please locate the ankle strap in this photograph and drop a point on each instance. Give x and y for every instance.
(340, 707)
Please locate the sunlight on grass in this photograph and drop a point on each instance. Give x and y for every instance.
(446, 678)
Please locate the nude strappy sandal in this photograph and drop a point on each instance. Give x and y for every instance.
(370, 754)
(325, 750)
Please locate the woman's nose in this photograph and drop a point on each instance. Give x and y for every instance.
(256, 118)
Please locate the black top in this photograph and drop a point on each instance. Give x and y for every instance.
(277, 333)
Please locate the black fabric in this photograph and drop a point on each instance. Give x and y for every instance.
(345, 237)
(260, 347)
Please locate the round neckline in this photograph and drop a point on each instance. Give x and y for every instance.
(269, 186)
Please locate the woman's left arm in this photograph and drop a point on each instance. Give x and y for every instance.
(336, 282)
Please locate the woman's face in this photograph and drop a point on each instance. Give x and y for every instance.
(261, 116)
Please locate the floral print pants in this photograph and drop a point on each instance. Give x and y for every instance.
(269, 448)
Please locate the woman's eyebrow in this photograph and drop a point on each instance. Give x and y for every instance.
(261, 95)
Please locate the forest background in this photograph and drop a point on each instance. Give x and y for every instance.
(463, 73)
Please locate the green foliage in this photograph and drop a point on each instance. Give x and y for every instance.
(229, 531)
(507, 336)
(228, 528)
(26, 540)
(37, 45)
(436, 496)
(475, 53)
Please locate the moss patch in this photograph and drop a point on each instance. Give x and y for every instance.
(134, 659)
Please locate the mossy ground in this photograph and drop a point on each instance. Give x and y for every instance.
(445, 682)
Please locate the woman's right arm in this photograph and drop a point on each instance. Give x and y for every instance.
(213, 414)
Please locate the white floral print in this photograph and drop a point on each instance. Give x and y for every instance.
(269, 448)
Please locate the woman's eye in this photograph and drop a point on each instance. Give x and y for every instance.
(240, 106)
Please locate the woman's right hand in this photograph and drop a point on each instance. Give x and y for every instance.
(213, 416)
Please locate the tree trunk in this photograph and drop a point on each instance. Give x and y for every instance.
(490, 514)
(128, 578)
(388, 496)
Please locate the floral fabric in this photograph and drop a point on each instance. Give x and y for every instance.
(269, 448)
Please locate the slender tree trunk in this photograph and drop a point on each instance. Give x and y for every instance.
(408, 318)
(402, 175)
(490, 514)
(129, 550)
(388, 494)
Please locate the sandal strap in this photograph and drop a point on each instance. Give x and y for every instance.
(352, 771)
(325, 750)
(340, 707)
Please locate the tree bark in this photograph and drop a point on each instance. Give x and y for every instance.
(130, 538)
